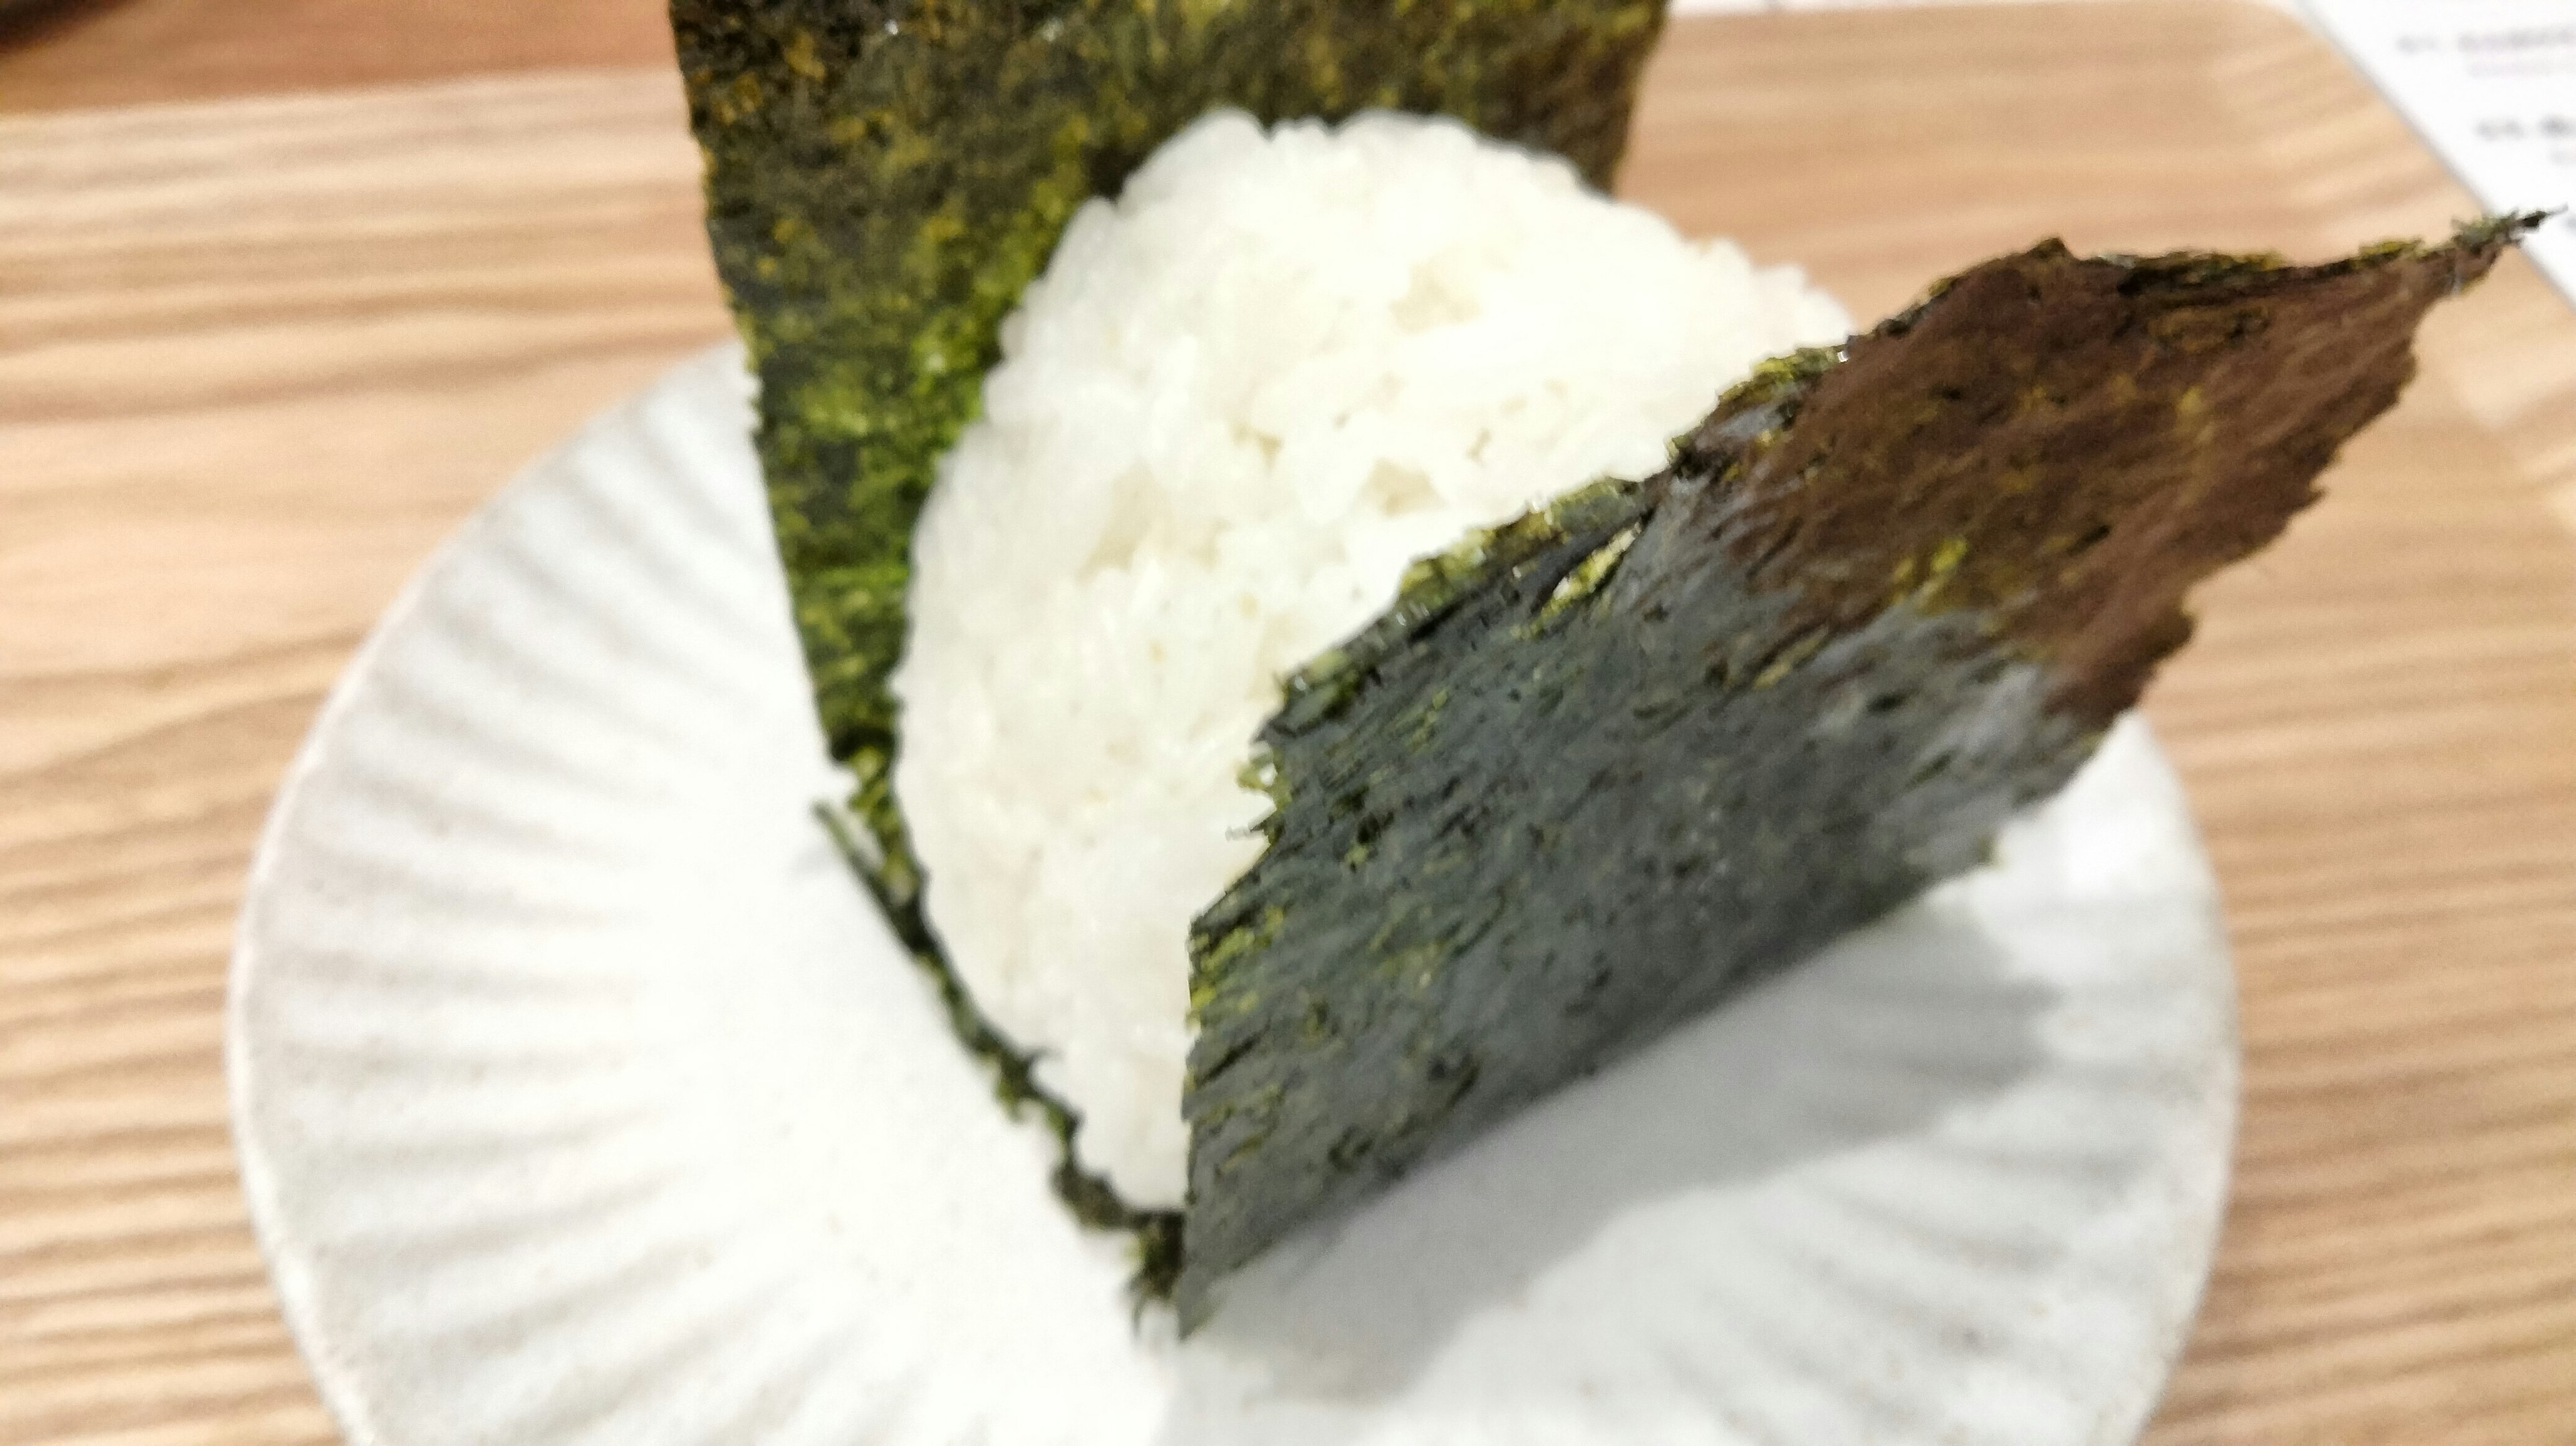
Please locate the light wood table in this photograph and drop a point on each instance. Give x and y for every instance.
(260, 351)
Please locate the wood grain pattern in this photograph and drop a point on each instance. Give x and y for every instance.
(258, 356)
(66, 54)
(258, 359)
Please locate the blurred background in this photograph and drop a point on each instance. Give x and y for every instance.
(108, 52)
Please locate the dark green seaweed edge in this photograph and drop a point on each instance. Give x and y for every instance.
(1092, 1199)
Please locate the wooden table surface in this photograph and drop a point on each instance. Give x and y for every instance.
(286, 291)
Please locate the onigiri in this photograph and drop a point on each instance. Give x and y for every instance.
(1247, 393)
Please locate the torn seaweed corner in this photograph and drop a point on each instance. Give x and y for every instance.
(1601, 767)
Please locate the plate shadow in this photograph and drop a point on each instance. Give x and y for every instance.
(1878, 1037)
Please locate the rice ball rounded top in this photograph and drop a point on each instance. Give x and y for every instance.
(1242, 399)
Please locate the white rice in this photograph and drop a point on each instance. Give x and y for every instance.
(1241, 400)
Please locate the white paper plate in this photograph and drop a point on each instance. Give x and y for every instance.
(582, 1098)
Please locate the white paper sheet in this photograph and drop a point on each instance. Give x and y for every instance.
(2491, 86)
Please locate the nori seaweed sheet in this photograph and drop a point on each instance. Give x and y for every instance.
(885, 177)
(1603, 766)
